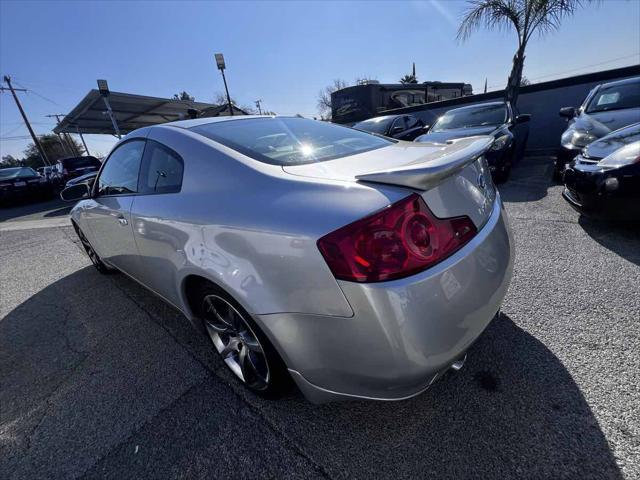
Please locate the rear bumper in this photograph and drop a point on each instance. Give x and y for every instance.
(404, 333)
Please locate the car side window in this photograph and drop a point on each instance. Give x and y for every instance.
(120, 173)
(412, 121)
(162, 169)
(398, 122)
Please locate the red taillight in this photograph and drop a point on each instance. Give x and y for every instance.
(403, 239)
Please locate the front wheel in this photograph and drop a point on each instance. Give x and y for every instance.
(245, 350)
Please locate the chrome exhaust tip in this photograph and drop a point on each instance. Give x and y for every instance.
(458, 364)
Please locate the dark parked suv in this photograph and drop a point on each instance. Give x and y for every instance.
(72, 167)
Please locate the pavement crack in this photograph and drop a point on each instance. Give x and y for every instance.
(134, 432)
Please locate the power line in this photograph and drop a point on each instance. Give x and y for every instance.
(637, 54)
(588, 66)
(30, 90)
(17, 137)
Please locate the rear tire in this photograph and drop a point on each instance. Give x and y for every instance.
(244, 349)
(93, 256)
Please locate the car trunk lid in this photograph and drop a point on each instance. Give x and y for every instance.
(453, 177)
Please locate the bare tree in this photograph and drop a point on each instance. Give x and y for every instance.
(526, 17)
(220, 98)
(324, 97)
(184, 96)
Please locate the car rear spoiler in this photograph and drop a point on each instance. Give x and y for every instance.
(434, 167)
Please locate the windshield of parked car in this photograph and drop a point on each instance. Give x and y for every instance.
(375, 125)
(290, 141)
(471, 117)
(615, 97)
(17, 172)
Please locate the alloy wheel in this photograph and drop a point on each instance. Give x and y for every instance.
(236, 342)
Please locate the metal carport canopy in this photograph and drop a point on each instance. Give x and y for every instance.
(130, 111)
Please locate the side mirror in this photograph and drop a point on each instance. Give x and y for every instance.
(75, 192)
(523, 118)
(568, 112)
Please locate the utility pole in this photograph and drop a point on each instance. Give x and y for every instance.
(45, 160)
(221, 66)
(258, 106)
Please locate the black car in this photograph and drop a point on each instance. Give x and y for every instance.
(72, 167)
(18, 183)
(604, 180)
(402, 127)
(495, 119)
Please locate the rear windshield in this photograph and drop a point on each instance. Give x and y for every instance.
(290, 141)
(80, 162)
(471, 117)
(375, 125)
(615, 97)
(17, 172)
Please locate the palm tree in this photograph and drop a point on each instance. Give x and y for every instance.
(526, 17)
(408, 79)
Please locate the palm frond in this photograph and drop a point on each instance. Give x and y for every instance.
(492, 14)
(546, 15)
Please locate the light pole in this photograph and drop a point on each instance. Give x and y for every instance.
(221, 67)
(258, 106)
(103, 88)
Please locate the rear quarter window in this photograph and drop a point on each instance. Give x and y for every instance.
(162, 169)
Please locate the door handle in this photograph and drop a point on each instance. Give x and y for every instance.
(122, 220)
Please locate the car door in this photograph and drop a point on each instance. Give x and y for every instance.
(108, 212)
(159, 234)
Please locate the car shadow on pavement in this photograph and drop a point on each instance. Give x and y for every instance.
(622, 238)
(85, 380)
(529, 180)
(514, 411)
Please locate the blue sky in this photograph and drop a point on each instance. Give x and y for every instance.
(282, 53)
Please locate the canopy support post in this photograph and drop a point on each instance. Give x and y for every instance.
(111, 116)
(86, 149)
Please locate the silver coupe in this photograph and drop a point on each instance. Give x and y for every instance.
(355, 265)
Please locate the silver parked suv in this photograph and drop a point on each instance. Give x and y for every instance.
(359, 266)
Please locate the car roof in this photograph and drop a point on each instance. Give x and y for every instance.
(381, 118)
(204, 121)
(625, 81)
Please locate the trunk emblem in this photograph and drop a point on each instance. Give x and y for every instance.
(482, 184)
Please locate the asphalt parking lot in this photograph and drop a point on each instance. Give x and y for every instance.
(99, 378)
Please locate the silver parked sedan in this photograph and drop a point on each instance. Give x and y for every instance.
(356, 265)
